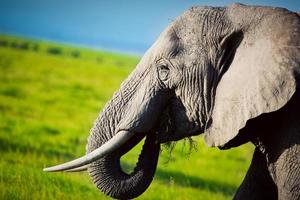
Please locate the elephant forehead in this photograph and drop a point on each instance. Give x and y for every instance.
(189, 37)
(190, 32)
(198, 27)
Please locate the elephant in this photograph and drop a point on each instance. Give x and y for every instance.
(229, 73)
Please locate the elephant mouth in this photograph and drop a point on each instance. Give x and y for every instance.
(175, 123)
(167, 133)
(166, 137)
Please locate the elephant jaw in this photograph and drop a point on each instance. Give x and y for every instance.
(167, 135)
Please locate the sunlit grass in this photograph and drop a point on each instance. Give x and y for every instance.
(48, 104)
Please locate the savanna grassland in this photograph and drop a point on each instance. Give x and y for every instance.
(50, 94)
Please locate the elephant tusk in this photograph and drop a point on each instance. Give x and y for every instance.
(114, 143)
(78, 169)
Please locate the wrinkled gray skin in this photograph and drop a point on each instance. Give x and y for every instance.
(231, 73)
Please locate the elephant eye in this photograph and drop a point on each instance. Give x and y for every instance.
(163, 72)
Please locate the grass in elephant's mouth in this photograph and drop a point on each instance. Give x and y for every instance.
(48, 102)
(186, 143)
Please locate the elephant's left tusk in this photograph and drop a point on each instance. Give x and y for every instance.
(78, 169)
(113, 144)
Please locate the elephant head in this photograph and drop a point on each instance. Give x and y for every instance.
(210, 71)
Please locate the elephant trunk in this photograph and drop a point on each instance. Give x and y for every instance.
(106, 172)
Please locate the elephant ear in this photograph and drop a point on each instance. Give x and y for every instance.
(259, 80)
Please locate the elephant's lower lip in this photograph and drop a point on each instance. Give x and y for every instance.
(164, 138)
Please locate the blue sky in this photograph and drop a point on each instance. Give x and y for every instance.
(128, 26)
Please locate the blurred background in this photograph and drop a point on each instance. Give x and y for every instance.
(123, 26)
(60, 61)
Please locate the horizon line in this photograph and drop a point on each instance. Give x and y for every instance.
(124, 51)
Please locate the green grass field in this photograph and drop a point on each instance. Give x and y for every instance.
(50, 94)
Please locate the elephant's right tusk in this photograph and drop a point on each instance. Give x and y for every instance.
(113, 144)
(78, 169)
